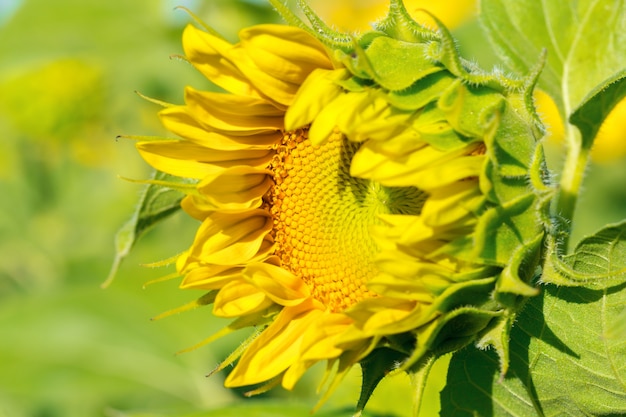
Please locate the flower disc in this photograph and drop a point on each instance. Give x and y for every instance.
(323, 217)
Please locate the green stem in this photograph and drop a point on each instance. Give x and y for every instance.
(571, 179)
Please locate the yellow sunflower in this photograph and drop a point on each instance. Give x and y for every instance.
(337, 197)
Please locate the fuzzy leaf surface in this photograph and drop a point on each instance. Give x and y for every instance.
(568, 358)
(585, 41)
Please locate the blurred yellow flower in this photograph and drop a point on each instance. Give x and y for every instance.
(57, 104)
(357, 15)
(549, 113)
(610, 144)
(319, 206)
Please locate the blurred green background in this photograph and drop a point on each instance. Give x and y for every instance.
(68, 72)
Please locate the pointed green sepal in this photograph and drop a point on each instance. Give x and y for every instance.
(517, 274)
(206, 299)
(157, 203)
(400, 25)
(451, 332)
(377, 365)
(419, 379)
(599, 260)
(497, 336)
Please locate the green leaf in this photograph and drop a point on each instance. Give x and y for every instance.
(617, 331)
(565, 360)
(598, 104)
(472, 388)
(585, 41)
(157, 203)
(599, 260)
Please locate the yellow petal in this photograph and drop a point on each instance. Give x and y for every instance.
(239, 298)
(279, 92)
(319, 89)
(318, 343)
(178, 120)
(407, 267)
(404, 142)
(232, 237)
(369, 116)
(280, 285)
(329, 117)
(277, 348)
(452, 203)
(235, 188)
(235, 115)
(211, 56)
(413, 226)
(284, 52)
(422, 238)
(424, 168)
(189, 160)
(210, 277)
(385, 315)
(550, 117)
(447, 173)
(176, 157)
(391, 286)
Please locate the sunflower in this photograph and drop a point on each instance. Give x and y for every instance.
(341, 199)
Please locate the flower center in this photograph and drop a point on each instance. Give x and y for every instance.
(322, 217)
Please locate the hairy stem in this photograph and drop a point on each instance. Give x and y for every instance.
(571, 179)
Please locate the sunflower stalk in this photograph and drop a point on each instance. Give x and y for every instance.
(570, 184)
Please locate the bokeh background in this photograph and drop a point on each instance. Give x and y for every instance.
(69, 70)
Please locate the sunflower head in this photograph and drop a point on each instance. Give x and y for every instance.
(361, 200)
